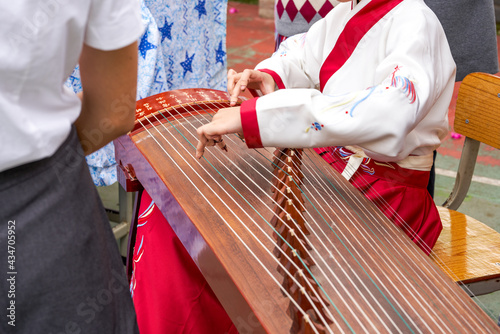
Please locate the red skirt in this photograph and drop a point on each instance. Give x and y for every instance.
(400, 193)
(169, 292)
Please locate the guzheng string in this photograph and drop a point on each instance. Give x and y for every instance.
(379, 213)
(437, 258)
(244, 244)
(385, 205)
(195, 138)
(391, 267)
(331, 242)
(379, 281)
(334, 175)
(209, 173)
(271, 211)
(266, 179)
(373, 234)
(404, 223)
(305, 236)
(276, 188)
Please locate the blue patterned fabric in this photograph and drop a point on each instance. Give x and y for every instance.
(183, 46)
(193, 41)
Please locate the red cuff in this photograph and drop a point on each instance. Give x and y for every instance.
(276, 77)
(249, 123)
(254, 92)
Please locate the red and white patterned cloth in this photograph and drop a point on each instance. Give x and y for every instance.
(293, 17)
(308, 9)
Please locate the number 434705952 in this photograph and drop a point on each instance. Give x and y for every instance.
(11, 242)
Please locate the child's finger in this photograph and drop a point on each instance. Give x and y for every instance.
(202, 143)
(232, 78)
(222, 145)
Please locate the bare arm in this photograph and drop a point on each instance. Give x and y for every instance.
(109, 82)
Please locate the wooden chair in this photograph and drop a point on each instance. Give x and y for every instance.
(468, 250)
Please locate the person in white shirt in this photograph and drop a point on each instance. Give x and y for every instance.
(372, 82)
(65, 272)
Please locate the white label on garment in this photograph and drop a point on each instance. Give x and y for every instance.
(352, 166)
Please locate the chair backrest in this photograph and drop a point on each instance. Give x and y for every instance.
(477, 117)
(477, 114)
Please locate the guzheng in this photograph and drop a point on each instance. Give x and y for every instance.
(287, 245)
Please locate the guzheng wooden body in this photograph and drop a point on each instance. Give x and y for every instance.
(361, 274)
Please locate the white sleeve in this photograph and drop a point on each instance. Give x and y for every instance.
(407, 104)
(113, 24)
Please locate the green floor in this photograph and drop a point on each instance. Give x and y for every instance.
(482, 202)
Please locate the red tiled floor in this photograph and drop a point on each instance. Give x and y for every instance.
(250, 38)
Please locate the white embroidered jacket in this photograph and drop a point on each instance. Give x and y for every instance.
(379, 76)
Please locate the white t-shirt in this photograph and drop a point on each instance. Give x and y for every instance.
(40, 45)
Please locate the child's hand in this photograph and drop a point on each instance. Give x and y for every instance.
(238, 82)
(226, 121)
